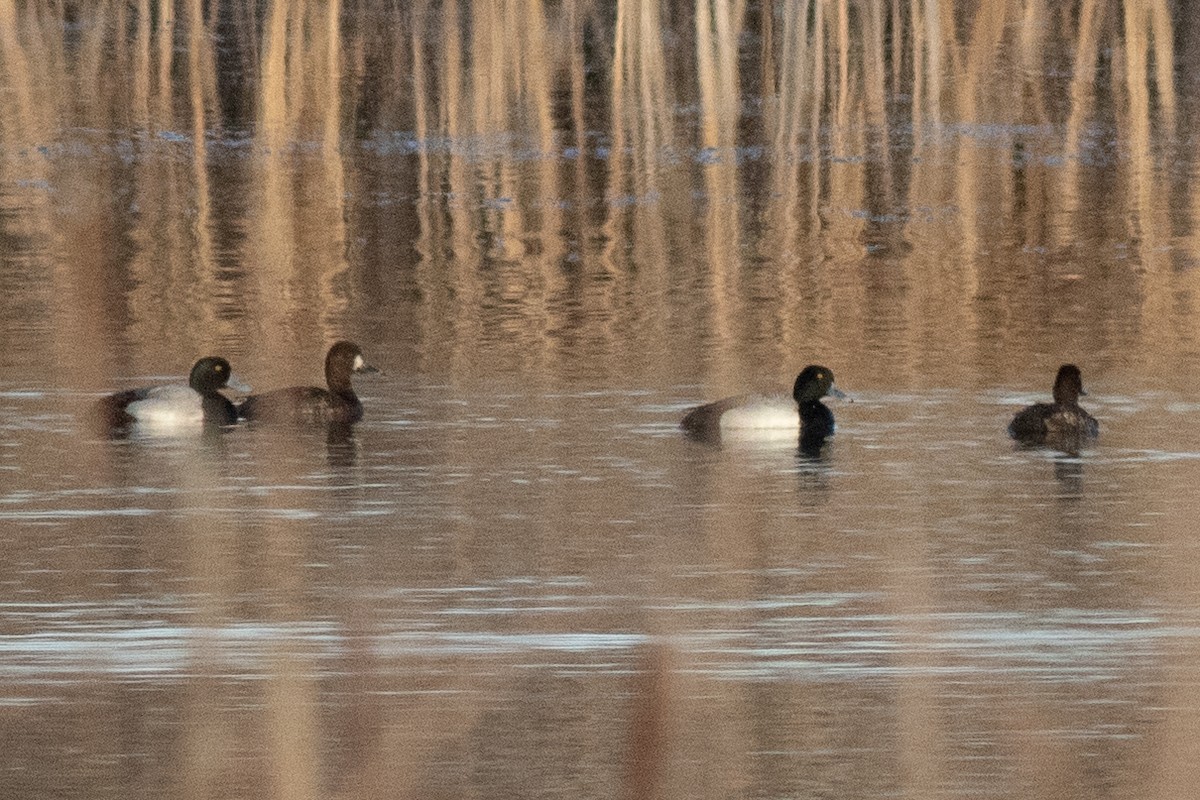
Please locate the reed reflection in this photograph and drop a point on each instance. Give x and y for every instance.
(853, 102)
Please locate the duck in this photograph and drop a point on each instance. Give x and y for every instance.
(1063, 424)
(751, 413)
(311, 404)
(172, 406)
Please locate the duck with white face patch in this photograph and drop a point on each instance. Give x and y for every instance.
(311, 404)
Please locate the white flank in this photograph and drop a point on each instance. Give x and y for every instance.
(169, 407)
(763, 414)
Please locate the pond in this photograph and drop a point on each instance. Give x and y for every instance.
(555, 228)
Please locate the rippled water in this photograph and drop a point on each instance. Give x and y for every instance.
(516, 577)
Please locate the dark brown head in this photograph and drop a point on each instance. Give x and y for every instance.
(1068, 385)
(343, 360)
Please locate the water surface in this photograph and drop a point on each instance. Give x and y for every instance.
(556, 228)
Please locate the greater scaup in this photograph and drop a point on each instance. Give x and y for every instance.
(1062, 424)
(173, 407)
(311, 404)
(753, 413)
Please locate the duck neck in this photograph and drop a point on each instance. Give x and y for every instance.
(344, 391)
(814, 411)
(816, 424)
(1066, 396)
(340, 385)
(218, 409)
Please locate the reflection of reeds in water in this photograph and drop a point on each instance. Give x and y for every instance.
(641, 129)
(296, 210)
(834, 71)
(854, 99)
(718, 29)
(472, 94)
(1148, 36)
(791, 117)
(649, 723)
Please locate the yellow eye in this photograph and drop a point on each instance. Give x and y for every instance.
(820, 376)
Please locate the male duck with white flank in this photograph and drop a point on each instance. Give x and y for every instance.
(754, 414)
(171, 407)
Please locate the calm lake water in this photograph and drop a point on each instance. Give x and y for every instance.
(556, 227)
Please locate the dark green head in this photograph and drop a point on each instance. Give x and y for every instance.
(209, 374)
(813, 383)
(1068, 385)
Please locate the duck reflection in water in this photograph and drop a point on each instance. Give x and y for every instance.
(753, 417)
(1068, 471)
(1062, 425)
(341, 448)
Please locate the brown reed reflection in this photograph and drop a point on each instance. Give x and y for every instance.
(296, 252)
(649, 728)
(506, 88)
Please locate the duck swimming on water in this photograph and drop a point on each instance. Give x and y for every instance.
(1063, 424)
(750, 413)
(173, 407)
(311, 404)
